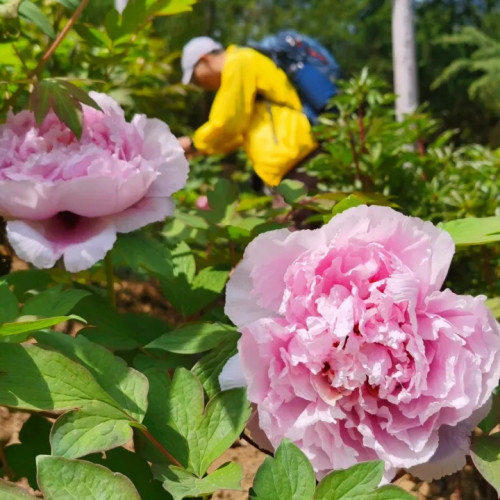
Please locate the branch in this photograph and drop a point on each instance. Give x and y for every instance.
(34, 73)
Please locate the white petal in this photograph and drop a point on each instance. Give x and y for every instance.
(30, 244)
(80, 256)
(232, 374)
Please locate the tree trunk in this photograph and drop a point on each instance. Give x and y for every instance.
(404, 57)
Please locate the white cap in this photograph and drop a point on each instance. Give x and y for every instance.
(193, 51)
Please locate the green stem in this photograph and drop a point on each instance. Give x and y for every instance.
(108, 265)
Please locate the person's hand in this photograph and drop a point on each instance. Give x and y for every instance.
(186, 143)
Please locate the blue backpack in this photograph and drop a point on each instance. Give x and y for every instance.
(311, 67)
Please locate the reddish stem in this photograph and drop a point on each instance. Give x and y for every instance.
(159, 446)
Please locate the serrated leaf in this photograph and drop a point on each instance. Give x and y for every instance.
(30, 378)
(194, 338)
(97, 427)
(485, 453)
(208, 368)
(353, 483)
(126, 386)
(31, 12)
(291, 190)
(181, 484)
(9, 491)
(473, 231)
(287, 476)
(8, 329)
(54, 302)
(67, 479)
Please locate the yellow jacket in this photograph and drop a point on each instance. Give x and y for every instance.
(275, 136)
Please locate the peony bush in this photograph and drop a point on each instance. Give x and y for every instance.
(350, 349)
(68, 197)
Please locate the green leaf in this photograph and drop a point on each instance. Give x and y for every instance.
(67, 479)
(287, 476)
(9, 491)
(106, 326)
(69, 4)
(182, 484)
(183, 262)
(131, 465)
(223, 200)
(128, 387)
(34, 437)
(194, 338)
(158, 418)
(9, 309)
(494, 305)
(24, 281)
(485, 453)
(388, 492)
(54, 302)
(473, 231)
(176, 7)
(291, 190)
(207, 287)
(141, 250)
(8, 329)
(32, 13)
(350, 201)
(208, 435)
(60, 96)
(41, 100)
(350, 484)
(208, 368)
(68, 110)
(30, 378)
(79, 94)
(97, 427)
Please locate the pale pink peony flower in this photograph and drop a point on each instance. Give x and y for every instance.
(68, 198)
(350, 349)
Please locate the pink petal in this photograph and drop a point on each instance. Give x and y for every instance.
(85, 196)
(144, 212)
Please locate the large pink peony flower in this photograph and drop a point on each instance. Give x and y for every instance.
(350, 349)
(68, 198)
